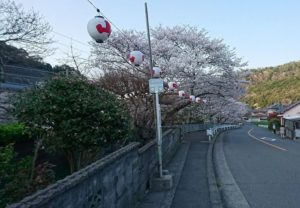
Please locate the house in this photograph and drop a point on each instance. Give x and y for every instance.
(292, 126)
(290, 119)
(275, 108)
(290, 110)
(258, 115)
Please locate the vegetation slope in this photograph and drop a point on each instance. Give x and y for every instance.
(280, 84)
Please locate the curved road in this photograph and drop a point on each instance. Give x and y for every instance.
(265, 167)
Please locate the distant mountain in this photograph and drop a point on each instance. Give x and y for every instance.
(280, 84)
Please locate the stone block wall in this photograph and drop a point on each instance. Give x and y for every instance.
(118, 180)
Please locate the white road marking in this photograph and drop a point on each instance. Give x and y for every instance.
(264, 142)
(268, 139)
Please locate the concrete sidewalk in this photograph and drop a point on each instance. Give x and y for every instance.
(189, 169)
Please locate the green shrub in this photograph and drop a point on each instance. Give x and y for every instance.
(264, 122)
(15, 181)
(12, 133)
(275, 121)
(73, 116)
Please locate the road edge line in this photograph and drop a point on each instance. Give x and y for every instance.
(264, 142)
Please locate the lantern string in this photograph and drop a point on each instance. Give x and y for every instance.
(125, 36)
(98, 10)
(129, 41)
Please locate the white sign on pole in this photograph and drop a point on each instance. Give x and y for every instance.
(156, 85)
(209, 132)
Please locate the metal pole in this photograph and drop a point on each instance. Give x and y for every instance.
(155, 100)
(149, 41)
(159, 134)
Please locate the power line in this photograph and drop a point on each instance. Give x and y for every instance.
(67, 54)
(69, 46)
(68, 37)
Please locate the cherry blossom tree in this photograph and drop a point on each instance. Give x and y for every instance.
(204, 67)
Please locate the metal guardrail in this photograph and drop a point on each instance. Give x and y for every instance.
(214, 131)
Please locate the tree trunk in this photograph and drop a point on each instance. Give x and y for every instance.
(71, 162)
(38, 145)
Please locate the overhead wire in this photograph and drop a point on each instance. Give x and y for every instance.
(71, 38)
(69, 47)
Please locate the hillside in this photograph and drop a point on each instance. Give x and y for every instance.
(273, 84)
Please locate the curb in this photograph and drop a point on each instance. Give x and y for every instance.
(214, 194)
(231, 194)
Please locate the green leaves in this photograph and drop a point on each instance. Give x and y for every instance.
(10, 133)
(74, 116)
(15, 181)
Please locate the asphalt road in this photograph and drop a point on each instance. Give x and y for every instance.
(265, 167)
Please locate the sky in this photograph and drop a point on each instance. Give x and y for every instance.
(262, 32)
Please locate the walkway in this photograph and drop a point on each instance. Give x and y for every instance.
(188, 167)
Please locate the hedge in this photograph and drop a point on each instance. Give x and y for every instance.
(12, 133)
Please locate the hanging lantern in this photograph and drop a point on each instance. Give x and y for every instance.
(156, 71)
(181, 93)
(172, 85)
(99, 29)
(136, 57)
(192, 98)
(198, 100)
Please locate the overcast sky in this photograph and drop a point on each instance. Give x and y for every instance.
(263, 32)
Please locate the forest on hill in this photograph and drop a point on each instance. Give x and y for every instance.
(11, 55)
(280, 84)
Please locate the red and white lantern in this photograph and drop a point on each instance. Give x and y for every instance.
(99, 29)
(172, 85)
(192, 98)
(136, 57)
(156, 71)
(181, 93)
(198, 100)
